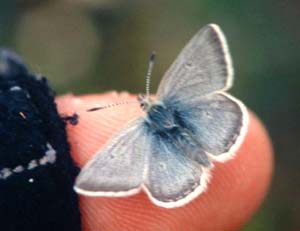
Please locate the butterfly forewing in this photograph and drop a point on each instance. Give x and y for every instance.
(202, 67)
(117, 169)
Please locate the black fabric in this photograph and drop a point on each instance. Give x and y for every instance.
(36, 170)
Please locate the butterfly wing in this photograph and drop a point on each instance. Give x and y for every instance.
(172, 179)
(203, 66)
(194, 86)
(218, 122)
(117, 169)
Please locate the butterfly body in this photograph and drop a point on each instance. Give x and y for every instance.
(169, 152)
(161, 118)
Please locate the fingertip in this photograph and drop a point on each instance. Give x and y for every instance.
(96, 127)
(235, 191)
(239, 186)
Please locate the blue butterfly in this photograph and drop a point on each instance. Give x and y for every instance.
(169, 151)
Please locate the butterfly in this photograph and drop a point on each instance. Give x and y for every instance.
(169, 151)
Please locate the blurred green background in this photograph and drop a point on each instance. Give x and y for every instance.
(86, 46)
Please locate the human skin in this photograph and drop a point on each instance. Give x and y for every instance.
(235, 192)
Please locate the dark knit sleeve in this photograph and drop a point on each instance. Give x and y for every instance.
(36, 170)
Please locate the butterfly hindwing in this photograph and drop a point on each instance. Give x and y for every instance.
(172, 179)
(217, 122)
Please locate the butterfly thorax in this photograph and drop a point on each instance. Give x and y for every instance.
(158, 116)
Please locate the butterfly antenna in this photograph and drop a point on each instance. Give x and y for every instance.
(111, 105)
(149, 72)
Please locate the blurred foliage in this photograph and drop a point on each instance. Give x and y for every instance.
(88, 46)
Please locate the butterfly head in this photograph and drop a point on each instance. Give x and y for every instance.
(145, 102)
